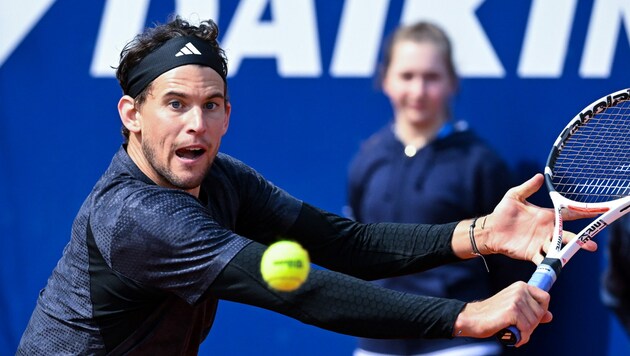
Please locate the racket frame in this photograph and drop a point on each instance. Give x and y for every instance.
(558, 255)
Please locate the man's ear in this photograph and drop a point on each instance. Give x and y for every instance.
(129, 115)
(228, 111)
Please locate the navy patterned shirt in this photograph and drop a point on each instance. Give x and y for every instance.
(142, 256)
(146, 266)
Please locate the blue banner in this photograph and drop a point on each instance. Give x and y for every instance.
(302, 86)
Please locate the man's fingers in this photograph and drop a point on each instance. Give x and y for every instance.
(571, 214)
(541, 297)
(536, 306)
(548, 317)
(538, 258)
(590, 245)
(533, 312)
(529, 187)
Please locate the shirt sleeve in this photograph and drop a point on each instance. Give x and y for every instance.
(372, 251)
(338, 302)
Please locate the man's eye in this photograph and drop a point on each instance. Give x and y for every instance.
(211, 106)
(175, 104)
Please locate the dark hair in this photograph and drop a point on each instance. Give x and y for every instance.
(418, 32)
(152, 38)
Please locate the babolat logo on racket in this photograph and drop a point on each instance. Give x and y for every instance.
(596, 108)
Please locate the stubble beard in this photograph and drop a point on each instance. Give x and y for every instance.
(167, 174)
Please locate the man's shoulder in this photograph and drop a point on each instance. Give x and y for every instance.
(227, 167)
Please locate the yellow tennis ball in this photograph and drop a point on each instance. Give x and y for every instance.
(285, 266)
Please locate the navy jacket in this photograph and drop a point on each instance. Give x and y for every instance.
(455, 177)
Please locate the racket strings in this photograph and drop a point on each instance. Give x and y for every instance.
(593, 164)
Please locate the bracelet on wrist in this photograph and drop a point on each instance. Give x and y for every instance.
(473, 243)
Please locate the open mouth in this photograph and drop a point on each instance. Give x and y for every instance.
(190, 153)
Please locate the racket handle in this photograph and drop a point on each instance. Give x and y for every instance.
(543, 278)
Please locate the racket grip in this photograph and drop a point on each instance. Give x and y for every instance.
(543, 278)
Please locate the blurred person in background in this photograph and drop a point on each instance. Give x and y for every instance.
(426, 167)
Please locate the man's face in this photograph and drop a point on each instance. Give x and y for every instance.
(181, 124)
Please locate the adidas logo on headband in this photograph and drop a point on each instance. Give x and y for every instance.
(162, 60)
(188, 49)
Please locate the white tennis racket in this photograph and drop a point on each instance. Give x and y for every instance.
(588, 169)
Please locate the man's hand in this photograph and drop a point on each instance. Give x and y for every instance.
(519, 304)
(521, 230)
